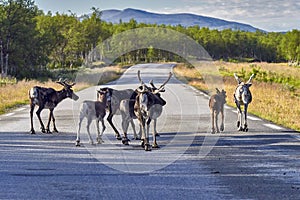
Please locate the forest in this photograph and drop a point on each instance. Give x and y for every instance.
(33, 42)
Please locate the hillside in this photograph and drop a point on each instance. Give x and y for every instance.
(183, 19)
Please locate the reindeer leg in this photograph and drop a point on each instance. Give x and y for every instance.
(99, 135)
(146, 140)
(154, 127)
(154, 135)
(77, 143)
(245, 118)
(216, 121)
(88, 130)
(98, 131)
(239, 123)
(31, 118)
(49, 120)
(103, 129)
(140, 132)
(38, 113)
(109, 119)
(143, 138)
(53, 122)
(213, 131)
(125, 124)
(222, 123)
(135, 136)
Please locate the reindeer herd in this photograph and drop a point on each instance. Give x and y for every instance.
(144, 104)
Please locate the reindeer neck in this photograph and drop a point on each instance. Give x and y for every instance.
(103, 100)
(61, 94)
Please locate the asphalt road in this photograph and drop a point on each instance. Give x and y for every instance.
(191, 163)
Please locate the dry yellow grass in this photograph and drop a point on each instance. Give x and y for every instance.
(280, 68)
(14, 95)
(271, 101)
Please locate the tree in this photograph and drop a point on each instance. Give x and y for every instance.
(19, 40)
(291, 46)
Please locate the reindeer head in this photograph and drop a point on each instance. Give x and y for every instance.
(242, 92)
(154, 90)
(103, 94)
(68, 89)
(222, 95)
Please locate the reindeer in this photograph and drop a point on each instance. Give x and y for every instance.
(242, 96)
(48, 98)
(147, 106)
(94, 110)
(115, 98)
(216, 105)
(127, 111)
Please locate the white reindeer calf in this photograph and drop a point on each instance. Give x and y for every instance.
(93, 110)
(216, 105)
(242, 97)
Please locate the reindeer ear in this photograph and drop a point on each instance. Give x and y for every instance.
(218, 91)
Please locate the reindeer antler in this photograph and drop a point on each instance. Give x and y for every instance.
(250, 79)
(170, 75)
(61, 82)
(64, 82)
(237, 78)
(139, 77)
(152, 84)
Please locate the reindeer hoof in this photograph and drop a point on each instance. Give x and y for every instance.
(77, 143)
(55, 130)
(147, 147)
(99, 141)
(125, 141)
(222, 128)
(245, 129)
(157, 135)
(43, 130)
(142, 143)
(31, 132)
(155, 146)
(118, 137)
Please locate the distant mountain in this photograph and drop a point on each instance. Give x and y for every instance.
(183, 19)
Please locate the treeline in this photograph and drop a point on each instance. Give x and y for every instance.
(31, 41)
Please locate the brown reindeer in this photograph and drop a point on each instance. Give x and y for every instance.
(148, 104)
(48, 98)
(216, 105)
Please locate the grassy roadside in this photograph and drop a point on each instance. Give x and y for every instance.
(275, 89)
(13, 95)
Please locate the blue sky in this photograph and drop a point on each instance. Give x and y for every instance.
(270, 15)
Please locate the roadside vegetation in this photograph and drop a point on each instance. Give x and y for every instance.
(275, 89)
(14, 93)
